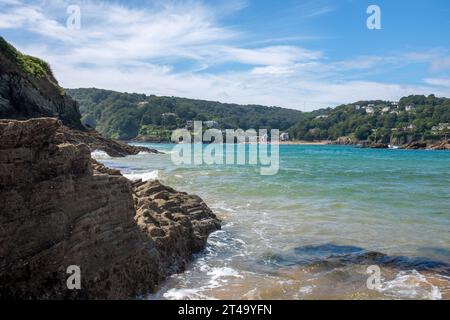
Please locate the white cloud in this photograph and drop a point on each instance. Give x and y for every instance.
(170, 48)
(440, 64)
(441, 82)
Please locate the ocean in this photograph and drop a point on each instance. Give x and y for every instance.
(335, 222)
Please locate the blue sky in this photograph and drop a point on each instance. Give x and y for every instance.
(297, 54)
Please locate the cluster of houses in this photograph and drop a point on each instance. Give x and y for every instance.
(392, 107)
(211, 124)
(441, 128)
(283, 137)
(408, 128)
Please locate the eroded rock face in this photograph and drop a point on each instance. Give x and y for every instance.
(415, 145)
(96, 141)
(345, 141)
(23, 96)
(441, 145)
(59, 208)
(176, 221)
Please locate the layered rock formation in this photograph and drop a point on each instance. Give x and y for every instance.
(345, 141)
(28, 89)
(60, 208)
(96, 141)
(439, 145)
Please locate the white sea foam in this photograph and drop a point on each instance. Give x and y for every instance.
(410, 285)
(145, 176)
(223, 272)
(217, 277)
(183, 294)
(99, 155)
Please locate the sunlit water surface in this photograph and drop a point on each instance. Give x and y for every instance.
(307, 232)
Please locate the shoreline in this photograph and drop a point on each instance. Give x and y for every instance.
(307, 143)
(439, 146)
(296, 142)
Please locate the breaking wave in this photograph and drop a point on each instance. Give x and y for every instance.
(144, 176)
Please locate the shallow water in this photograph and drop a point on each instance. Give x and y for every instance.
(307, 232)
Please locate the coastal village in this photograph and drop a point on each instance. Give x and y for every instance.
(377, 108)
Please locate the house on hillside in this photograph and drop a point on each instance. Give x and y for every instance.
(410, 108)
(386, 109)
(324, 116)
(394, 104)
(284, 136)
(190, 124)
(411, 127)
(369, 109)
(439, 129)
(211, 124)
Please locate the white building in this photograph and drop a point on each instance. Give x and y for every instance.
(411, 127)
(441, 127)
(369, 109)
(386, 109)
(409, 108)
(284, 136)
(211, 124)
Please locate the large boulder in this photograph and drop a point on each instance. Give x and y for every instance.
(59, 208)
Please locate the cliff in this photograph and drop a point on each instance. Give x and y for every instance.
(28, 90)
(61, 208)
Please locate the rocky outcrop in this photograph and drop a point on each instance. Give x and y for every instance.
(177, 221)
(440, 145)
(96, 141)
(28, 89)
(428, 145)
(345, 141)
(60, 208)
(373, 145)
(414, 145)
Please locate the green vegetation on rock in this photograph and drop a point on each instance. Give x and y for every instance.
(30, 65)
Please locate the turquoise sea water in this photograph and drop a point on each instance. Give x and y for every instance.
(305, 232)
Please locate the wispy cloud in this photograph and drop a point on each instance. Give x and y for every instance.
(314, 8)
(181, 48)
(440, 64)
(441, 82)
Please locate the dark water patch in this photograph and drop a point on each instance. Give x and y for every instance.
(330, 256)
(442, 252)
